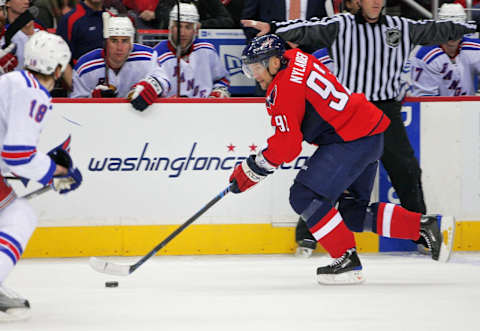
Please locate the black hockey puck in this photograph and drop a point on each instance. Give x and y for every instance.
(111, 284)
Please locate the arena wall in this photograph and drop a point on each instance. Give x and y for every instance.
(146, 173)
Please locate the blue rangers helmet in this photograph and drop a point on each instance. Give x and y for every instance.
(259, 50)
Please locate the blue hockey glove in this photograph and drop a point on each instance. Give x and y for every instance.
(69, 182)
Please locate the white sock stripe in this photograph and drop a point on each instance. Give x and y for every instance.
(387, 219)
(328, 227)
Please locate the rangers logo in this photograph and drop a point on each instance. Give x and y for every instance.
(393, 36)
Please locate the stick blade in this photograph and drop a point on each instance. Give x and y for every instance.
(109, 268)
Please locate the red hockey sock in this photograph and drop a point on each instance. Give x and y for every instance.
(332, 233)
(394, 221)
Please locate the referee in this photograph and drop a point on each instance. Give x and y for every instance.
(369, 50)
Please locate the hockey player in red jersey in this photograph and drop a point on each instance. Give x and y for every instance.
(306, 102)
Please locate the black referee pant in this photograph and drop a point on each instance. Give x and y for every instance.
(399, 161)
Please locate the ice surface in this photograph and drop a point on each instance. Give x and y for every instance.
(250, 293)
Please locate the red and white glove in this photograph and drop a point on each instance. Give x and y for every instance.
(104, 91)
(219, 92)
(8, 61)
(250, 172)
(144, 93)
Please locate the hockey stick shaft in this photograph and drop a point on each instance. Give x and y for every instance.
(37, 192)
(179, 229)
(124, 270)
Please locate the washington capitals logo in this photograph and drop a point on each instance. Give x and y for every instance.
(266, 44)
(272, 97)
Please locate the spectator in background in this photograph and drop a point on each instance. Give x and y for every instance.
(82, 27)
(49, 12)
(274, 10)
(143, 12)
(235, 8)
(475, 7)
(351, 6)
(213, 14)
(121, 69)
(19, 25)
(202, 73)
(448, 69)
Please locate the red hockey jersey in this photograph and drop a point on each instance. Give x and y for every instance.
(306, 102)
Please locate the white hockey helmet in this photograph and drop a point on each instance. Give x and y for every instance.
(45, 51)
(188, 13)
(117, 26)
(2, 3)
(453, 12)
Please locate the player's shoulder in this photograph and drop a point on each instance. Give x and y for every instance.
(295, 71)
(140, 53)
(202, 44)
(470, 44)
(164, 53)
(90, 61)
(429, 53)
(22, 81)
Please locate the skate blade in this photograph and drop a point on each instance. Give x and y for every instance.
(423, 250)
(303, 252)
(15, 314)
(346, 278)
(448, 234)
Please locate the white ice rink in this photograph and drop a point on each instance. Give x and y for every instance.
(250, 293)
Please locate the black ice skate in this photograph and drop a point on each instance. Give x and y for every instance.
(12, 307)
(305, 247)
(347, 269)
(438, 232)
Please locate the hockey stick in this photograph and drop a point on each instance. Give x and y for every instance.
(37, 192)
(116, 269)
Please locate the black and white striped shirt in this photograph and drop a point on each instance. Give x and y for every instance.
(369, 57)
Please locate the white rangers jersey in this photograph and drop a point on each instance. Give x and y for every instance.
(91, 71)
(201, 69)
(432, 71)
(323, 56)
(24, 107)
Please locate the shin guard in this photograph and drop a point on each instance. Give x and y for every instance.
(394, 221)
(332, 233)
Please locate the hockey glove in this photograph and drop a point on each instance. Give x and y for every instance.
(69, 182)
(144, 93)
(61, 157)
(104, 91)
(219, 92)
(8, 61)
(249, 173)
